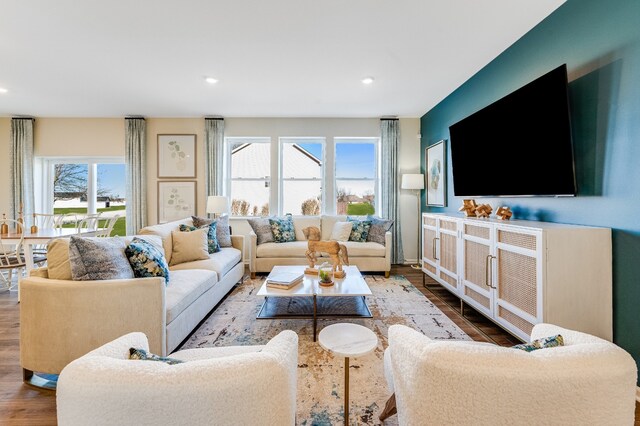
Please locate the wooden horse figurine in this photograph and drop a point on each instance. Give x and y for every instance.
(337, 252)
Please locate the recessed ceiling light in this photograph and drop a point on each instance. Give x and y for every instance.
(211, 80)
(367, 80)
(3, 90)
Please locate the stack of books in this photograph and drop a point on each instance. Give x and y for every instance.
(284, 280)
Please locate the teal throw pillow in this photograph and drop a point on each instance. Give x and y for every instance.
(146, 260)
(359, 230)
(282, 229)
(546, 342)
(142, 355)
(212, 237)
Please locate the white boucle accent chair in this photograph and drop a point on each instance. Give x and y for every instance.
(239, 385)
(589, 381)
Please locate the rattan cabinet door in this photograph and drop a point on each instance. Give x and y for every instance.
(517, 278)
(429, 228)
(475, 274)
(447, 253)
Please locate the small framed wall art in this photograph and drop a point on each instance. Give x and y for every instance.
(436, 174)
(176, 200)
(176, 156)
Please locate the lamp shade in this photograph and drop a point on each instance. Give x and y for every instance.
(217, 204)
(413, 181)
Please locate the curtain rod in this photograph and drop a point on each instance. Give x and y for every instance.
(23, 118)
(388, 119)
(134, 118)
(214, 118)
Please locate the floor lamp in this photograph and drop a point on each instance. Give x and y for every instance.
(416, 183)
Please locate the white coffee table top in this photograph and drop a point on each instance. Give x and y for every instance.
(348, 340)
(353, 284)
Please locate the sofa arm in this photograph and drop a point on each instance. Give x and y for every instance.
(253, 247)
(62, 320)
(237, 242)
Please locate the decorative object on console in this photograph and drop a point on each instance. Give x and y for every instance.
(217, 205)
(34, 227)
(4, 228)
(176, 156)
(337, 252)
(176, 200)
(325, 274)
(436, 174)
(484, 210)
(20, 223)
(414, 182)
(469, 208)
(504, 213)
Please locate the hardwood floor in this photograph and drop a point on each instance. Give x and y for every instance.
(22, 405)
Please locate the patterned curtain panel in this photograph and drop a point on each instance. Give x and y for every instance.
(135, 147)
(22, 168)
(389, 136)
(213, 147)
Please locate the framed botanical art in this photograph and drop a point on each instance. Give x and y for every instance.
(436, 174)
(177, 156)
(176, 200)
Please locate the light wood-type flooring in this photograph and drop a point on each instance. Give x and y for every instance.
(23, 405)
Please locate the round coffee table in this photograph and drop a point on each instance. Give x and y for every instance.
(347, 340)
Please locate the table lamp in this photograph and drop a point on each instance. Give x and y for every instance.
(217, 204)
(416, 183)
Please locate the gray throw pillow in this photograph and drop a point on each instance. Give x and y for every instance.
(262, 227)
(223, 231)
(379, 227)
(98, 259)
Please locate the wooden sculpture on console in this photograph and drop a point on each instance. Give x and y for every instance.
(483, 210)
(504, 213)
(337, 252)
(469, 208)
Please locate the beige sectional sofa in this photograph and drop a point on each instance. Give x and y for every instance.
(367, 256)
(62, 319)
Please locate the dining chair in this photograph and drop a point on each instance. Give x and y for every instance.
(110, 223)
(88, 223)
(67, 219)
(11, 256)
(45, 220)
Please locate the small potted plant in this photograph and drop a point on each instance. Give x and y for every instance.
(325, 273)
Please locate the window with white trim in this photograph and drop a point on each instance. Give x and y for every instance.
(301, 175)
(356, 175)
(249, 172)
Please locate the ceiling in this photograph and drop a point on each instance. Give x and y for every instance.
(277, 58)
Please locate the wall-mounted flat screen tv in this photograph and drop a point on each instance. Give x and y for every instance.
(519, 145)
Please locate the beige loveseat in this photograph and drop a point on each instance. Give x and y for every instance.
(61, 319)
(367, 256)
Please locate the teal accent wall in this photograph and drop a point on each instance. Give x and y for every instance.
(600, 43)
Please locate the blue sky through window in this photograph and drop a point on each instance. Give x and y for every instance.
(355, 160)
(113, 177)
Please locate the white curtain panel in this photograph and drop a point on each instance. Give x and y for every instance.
(22, 168)
(135, 147)
(389, 137)
(214, 152)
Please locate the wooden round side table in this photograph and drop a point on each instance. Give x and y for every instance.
(347, 340)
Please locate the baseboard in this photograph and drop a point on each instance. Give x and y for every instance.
(638, 393)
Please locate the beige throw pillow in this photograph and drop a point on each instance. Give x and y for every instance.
(58, 264)
(341, 231)
(189, 246)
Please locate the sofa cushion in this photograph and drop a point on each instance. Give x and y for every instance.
(302, 222)
(189, 246)
(223, 231)
(220, 262)
(262, 229)
(163, 230)
(379, 227)
(212, 238)
(327, 222)
(360, 230)
(146, 260)
(98, 259)
(282, 229)
(355, 249)
(185, 288)
(292, 249)
(341, 231)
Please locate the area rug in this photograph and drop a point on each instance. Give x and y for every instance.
(321, 375)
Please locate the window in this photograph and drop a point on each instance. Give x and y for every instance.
(86, 186)
(249, 161)
(356, 175)
(301, 175)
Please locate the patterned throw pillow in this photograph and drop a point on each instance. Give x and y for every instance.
(146, 260)
(98, 259)
(223, 231)
(546, 342)
(142, 355)
(262, 228)
(379, 227)
(359, 230)
(212, 237)
(282, 229)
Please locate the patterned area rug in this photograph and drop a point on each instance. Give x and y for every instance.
(320, 375)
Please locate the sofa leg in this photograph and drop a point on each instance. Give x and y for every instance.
(253, 275)
(387, 273)
(389, 408)
(26, 374)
